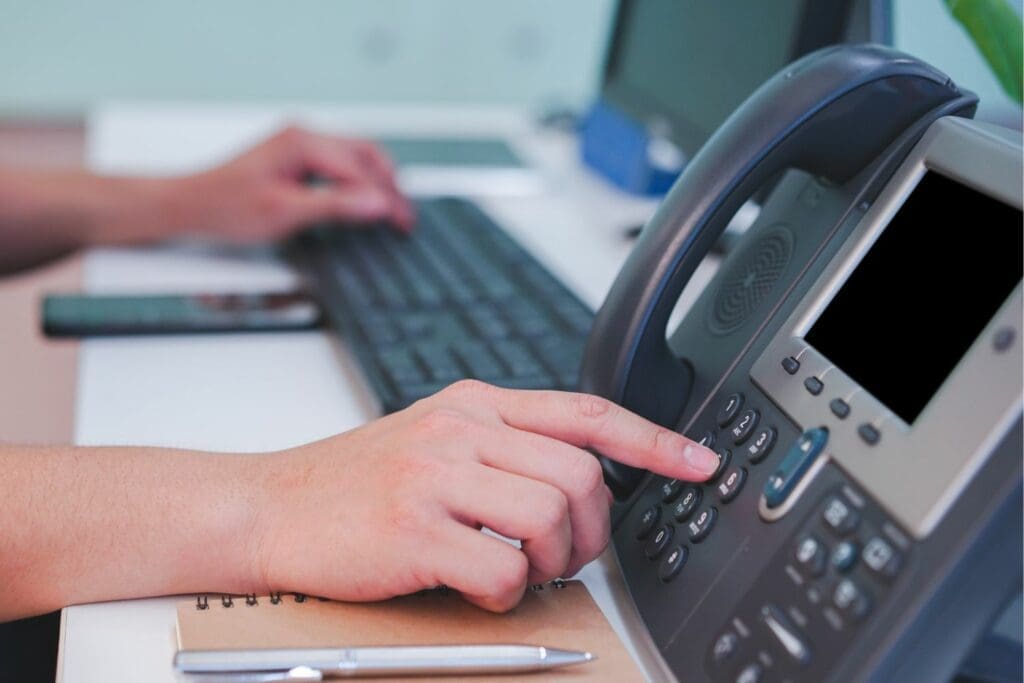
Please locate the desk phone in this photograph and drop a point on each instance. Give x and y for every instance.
(856, 363)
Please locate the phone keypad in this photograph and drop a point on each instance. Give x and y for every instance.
(683, 502)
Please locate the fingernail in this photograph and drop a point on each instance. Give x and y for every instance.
(704, 460)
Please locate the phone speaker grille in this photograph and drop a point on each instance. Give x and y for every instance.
(752, 274)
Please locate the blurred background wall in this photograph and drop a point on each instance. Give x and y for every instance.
(58, 57)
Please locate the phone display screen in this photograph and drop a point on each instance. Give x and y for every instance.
(920, 297)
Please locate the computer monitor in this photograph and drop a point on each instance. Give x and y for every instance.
(678, 68)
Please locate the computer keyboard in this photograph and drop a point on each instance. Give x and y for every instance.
(456, 299)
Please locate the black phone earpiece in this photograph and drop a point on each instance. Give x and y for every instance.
(831, 113)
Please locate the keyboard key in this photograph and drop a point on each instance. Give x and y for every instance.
(481, 362)
(517, 358)
(353, 286)
(380, 330)
(439, 363)
(487, 322)
(401, 367)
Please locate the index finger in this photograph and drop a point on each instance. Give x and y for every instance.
(593, 422)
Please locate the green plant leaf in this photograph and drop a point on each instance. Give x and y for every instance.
(997, 32)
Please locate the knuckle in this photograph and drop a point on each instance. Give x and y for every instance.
(551, 511)
(663, 441)
(589, 407)
(588, 475)
(469, 389)
(511, 576)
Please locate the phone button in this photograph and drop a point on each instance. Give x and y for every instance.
(786, 634)
(732, 484)
(793, 467)
(743, 429)
(840, 516)
(648, 520)
(751, 673)
(810, 556)
(658, 541)
(673, 563)
(686, 505)
(760, 447)
(730, 410)
(851, 600)
(814, 385)
(791, 365)
(670, 489)
(701, 527)
(839, 408)
(724, 458)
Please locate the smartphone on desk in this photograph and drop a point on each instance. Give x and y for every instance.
(81, 315)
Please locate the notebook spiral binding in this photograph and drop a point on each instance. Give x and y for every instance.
(227, 600)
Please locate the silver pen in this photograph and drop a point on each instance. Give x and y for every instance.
(314, 664)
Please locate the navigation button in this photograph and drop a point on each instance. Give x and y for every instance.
(742, 429)
(758, 449)
(798, 460)
(701, 527)
(729, 411)
(845, 556)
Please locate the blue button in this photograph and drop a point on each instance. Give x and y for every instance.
(798, 460)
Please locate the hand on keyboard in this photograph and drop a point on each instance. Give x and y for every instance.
(262, 194)
(396, 506)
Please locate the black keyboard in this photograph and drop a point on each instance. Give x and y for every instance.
(456, 299)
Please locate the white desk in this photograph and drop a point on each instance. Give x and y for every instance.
(269, 391)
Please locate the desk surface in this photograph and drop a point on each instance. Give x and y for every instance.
(269, 391)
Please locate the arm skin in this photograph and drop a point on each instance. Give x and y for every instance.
(258, 196)
(386, 509)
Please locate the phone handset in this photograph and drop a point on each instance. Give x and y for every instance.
(830, 113)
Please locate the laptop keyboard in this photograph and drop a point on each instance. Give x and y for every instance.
(456, 299)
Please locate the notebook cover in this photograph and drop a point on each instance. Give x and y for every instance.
(565, 617)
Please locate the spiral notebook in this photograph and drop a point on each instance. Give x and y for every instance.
(560, 615)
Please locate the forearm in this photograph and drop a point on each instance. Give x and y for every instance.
(91, 524)
(45, 214)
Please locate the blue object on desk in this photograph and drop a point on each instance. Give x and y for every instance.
(627, 153)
